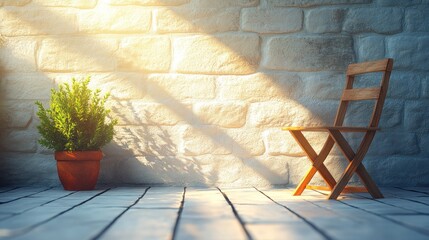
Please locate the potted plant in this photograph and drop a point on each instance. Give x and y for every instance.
(76, 126)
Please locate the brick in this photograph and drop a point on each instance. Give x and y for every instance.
(173, 87)
(77, 54)
(26, 87)
(272, 20)
(224, 3)
(16, 114)
(308, 53)
(310, 3)
(370, 48)
(191, 19)
(417, 20)
(151, 54)
(223, 114)
(278, 142)
(205, 140)
(409, 52)
(149, 2)
(18, 141)
(14, 2)
(259, 87)
(325, 20)
(246, 142)
(115, 20)
(416, 116)
(124, 112)
(67, 3)
(216, 54)
(36, 21)
(378, 20)
(314, 112)
(405, 85)
(286, 113)
(17, 55)
(323, 85)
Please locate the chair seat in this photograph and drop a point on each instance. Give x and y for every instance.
(327, 128)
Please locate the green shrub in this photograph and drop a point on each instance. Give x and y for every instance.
(77, 119)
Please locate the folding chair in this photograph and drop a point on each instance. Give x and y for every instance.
(336, 134)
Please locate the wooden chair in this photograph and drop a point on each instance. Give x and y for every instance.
(336, 134)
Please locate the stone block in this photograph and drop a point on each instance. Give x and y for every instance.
(417, 20)
(325, 20)
(425, 87)
(205, 140)
(151, 54)
(308, 53)
(77, 54)
(120, 85)
(397, 168)
(36, 21)
(17, 55)
(216, 54)
(26, 87)
(222, 114)
(395, 3)
(124, 112)
(246, 142)
(278, 142)
(370, 48)
(316, 112)
(311, 3)
(127, 19)
(174, 87)
(405, 85)
(378, 20)
(191, 19)
(424, 144)
(409, 52)
(16, 114)
(14, 2)
(416, 116)
(224, 3)
(391, 143)
(259, 87)
(265, 171)
(280, 114)
(67, 3)
(271, 20)
(156, 113)
(18, 141)
(149, 2)
(323, 85)
(392, 114)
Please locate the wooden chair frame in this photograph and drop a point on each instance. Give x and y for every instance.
(336, 137)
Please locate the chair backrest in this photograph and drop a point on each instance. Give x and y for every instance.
(355, 94)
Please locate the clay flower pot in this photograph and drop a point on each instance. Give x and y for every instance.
(78, 170)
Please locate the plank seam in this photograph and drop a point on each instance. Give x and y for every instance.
(179, 215)
(26, 196)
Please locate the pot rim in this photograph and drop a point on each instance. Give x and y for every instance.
(93, 155)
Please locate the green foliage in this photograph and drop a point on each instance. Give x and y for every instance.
(77, 119)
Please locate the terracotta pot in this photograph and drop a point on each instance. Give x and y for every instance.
(78, 170)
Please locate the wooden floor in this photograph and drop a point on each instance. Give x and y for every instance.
(210, 213)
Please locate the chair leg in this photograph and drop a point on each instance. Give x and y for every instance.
(317, 161)
(355, 164)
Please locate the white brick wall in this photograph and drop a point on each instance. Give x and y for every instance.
(202, 87)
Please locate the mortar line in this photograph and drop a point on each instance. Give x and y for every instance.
(104, 230)
(29, 195)
(243, 225)
(179, 215)
(317, 229)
